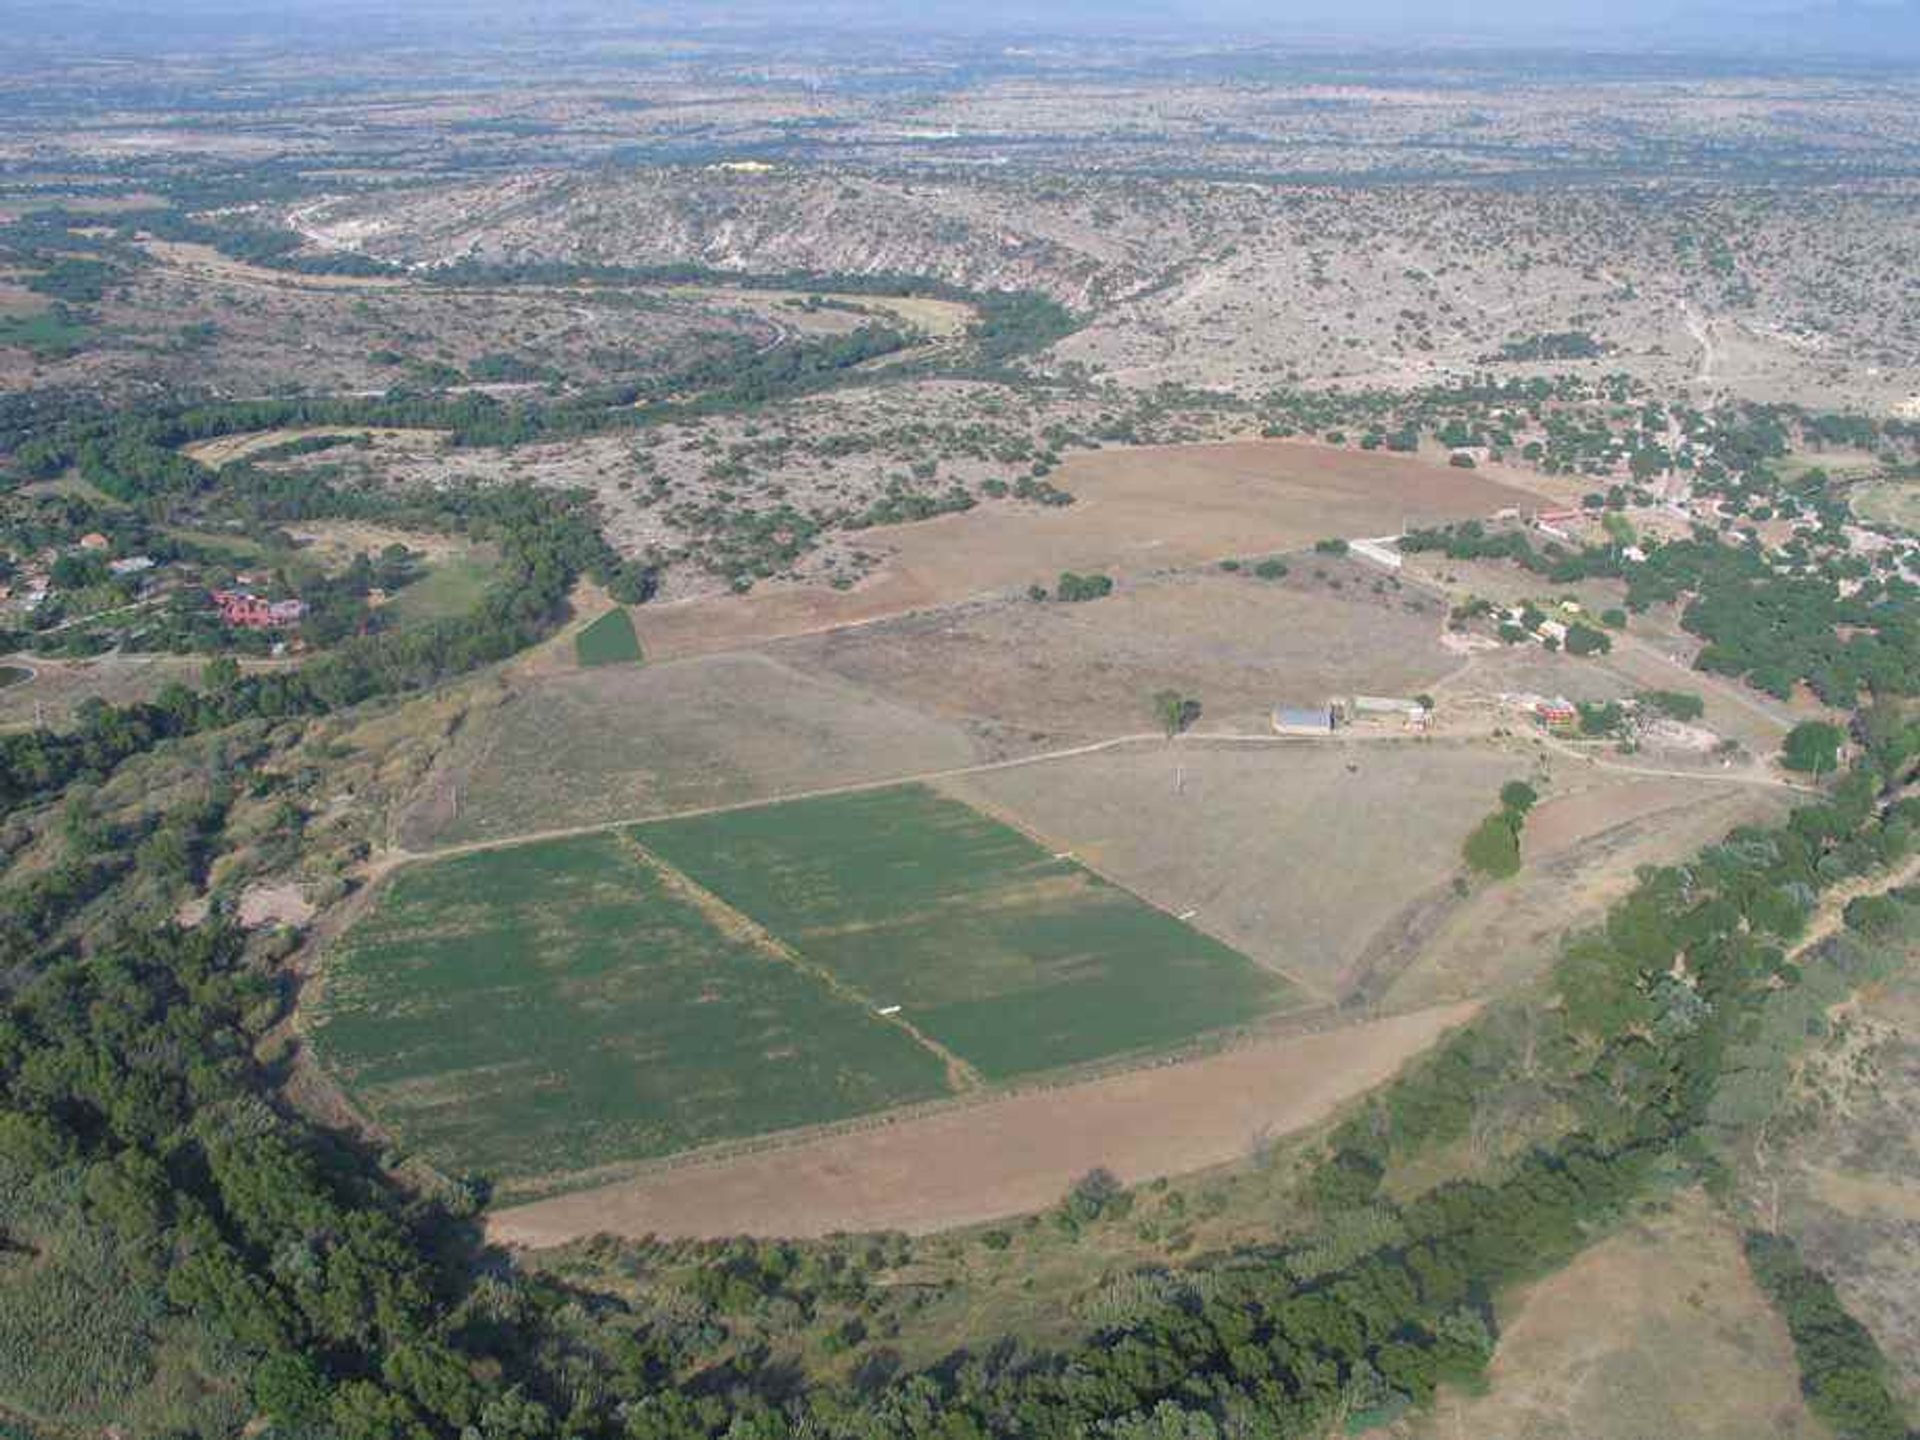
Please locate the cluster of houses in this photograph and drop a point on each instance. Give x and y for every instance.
(34, 580)
(249, 611)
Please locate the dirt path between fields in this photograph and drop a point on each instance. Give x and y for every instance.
(1007, 1155)
(392, 859)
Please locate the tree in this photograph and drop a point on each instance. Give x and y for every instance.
(1517, 797)
(1176, 712)
(1585, 640)
(1812, 747)
(1494, 846)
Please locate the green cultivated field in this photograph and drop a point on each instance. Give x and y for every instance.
(553, 1007)
(1014, 960)
(608, 641)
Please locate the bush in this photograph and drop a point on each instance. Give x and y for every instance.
(1877, 916)
(1271, 569)
(1585, 640)
(1333, 546)
(1076, 588)
(1517, 797)
(1494, 847)
(1675, 704)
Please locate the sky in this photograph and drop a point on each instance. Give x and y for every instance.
(1883, 29)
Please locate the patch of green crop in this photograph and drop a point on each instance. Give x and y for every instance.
(608, 641)
(1015, 960)
(553, 1006)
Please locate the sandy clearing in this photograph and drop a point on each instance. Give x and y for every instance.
(285, 903)
(1137, 511)
(1009, 1155)
(225, 449)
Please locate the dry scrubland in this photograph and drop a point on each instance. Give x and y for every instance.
(1846, 1184)
(1243, 286)
(1585, 858)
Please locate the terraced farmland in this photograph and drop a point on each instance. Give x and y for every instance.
(1013, 959)
(555, 1006)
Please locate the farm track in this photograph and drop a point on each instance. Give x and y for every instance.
(1010, 1150)
(397, 858)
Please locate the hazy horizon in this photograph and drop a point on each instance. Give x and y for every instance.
(1851, 29)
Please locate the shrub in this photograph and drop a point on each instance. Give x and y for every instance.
(1494, 846)
(1076, 588)
(1675, 704)
(1585, 640)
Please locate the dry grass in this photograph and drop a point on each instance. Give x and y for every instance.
(1283, 851)
(624, 742)
(1138, 511)
(1238, 644)
(1659, 1331)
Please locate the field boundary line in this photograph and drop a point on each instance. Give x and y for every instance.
(730, 919)
(397, 858)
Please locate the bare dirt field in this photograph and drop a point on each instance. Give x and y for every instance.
(1294, 853)
(1006, 1156)
(1657, 1331)
(1562, 820)
(1238, 644)
(1138, 511)
(623, 742)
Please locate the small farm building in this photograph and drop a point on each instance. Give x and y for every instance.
(1303, 720)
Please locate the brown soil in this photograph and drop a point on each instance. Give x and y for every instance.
(1559, 821)
(1006, 1156)
(1197, 503)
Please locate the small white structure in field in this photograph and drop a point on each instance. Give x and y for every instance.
(1379, 551)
